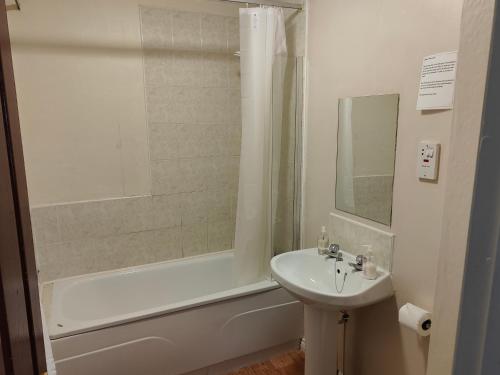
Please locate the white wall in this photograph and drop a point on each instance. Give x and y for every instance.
(474, 54)
(366, 47)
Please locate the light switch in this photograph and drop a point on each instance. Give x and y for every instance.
(428, 160)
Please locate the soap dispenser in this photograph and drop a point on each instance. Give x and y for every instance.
(323, 241)
(369, 267)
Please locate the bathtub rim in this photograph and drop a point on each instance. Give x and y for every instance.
(77, 327)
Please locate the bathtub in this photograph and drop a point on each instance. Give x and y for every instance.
(166, 318)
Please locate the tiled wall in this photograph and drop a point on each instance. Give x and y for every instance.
(86, 237)
(194, 119)
(192, 91)
(351, 235)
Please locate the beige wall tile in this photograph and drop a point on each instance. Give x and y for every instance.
(215, 70)
(219, 205)
(143, 247)
(212, 106)
(234, 106)
(44, 265)
(234, 74)
(104, 218)
(184, 68)
(233, 34)
(165, 244)
(235, 140)
(204, 145)
(69, 259)
(136, 214)
(224, 172)
(195, 174)
(176, 105)
(179, 176)
(167, 211)
(195, 141)
(194, 239)
(173, 68)
(166, 177)
(80, 220)
(155, 67)
(351, 235)
(93, 255)
(157, 31)
(112, 216)
(187, 30)
(125, 215)
(213, 33)
(220, 235)
(123, 251)
(45, 225)
(194, 207)
(164, 141)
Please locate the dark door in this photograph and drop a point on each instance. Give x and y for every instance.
(22, 351)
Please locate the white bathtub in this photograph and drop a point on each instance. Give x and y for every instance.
(164, 319)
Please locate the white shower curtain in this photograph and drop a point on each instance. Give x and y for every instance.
(262, 38)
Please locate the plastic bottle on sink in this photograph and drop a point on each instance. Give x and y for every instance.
(323, 241)
(369, 267)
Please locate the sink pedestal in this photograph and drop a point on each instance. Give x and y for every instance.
(321, 327)
(313, 280)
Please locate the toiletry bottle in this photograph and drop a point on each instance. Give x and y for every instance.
(323, 241)
(369, 267)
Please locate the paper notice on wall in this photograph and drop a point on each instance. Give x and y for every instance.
(437, 81)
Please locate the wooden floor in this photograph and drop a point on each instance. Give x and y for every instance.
(291, 363)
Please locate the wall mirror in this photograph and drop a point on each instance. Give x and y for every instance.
(366, 144)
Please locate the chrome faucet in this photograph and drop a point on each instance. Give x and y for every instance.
(334, 252)
(358, 266)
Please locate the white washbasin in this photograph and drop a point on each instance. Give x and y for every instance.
(311, 278)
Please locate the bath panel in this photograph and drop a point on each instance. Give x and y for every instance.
(129, 334)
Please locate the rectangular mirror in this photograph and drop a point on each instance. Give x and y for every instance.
(366, 144)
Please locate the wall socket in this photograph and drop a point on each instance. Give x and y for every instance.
(428, 153)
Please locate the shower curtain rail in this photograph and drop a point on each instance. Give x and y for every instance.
(274, 3)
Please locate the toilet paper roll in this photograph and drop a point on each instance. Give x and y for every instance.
(415, 318)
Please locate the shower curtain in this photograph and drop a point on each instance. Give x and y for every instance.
(262, 38)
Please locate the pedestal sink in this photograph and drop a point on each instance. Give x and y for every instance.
(326, 286)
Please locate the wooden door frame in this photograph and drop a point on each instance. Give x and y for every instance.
(22, 346)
